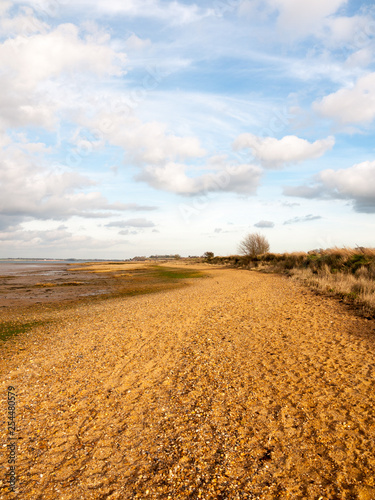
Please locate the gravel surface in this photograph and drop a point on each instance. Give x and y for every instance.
(241, 385)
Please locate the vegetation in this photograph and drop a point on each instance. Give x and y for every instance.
(254, 244)
(171, 273)
(344, 272)
(9, 329)
(175, 256)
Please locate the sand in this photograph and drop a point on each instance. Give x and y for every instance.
(240, 385)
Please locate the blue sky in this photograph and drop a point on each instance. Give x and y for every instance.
(136, 128)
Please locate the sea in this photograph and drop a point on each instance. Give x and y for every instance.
(43, 267)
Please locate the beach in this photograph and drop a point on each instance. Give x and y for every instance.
(233, 385)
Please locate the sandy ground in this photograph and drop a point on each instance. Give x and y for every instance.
(239, 386)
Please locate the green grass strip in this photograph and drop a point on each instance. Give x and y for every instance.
(10, 329)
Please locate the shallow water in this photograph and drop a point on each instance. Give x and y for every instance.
(45, 268)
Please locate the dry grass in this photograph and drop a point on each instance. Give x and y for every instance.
(349, 252)
(346, 272)
(359, 287)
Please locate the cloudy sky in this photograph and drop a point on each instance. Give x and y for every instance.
(136, 127)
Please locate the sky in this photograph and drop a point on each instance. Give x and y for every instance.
(139, 127)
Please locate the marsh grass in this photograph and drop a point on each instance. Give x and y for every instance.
(9, 329)
(171, 273)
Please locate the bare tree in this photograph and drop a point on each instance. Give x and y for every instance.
(208, 255)
(254, 244)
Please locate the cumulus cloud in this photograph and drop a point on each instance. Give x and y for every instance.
(46, 55)
(264, 224)
(28, 62)
(274, 153)
(242, 179)
(355, 104)
(306, 218)
(356, 184)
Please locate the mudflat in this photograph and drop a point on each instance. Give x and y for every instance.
(239, 385)
(32, 285)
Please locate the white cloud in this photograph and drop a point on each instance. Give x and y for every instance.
(356, 183)
(127, 232)
(274, 153)
(5, 5)
(361, 58)
(172, 12)
(353, 35)
(355, 104)
(265, 224)
(31, 190)
(144, 143)
(295, 18)
(300, 18)
(140, 222)
(306, 218)
(136, 43)
(51, 240)
(242, 179)
(24, 23)
(41, 56)
(354, 31)
(29, 62)
(254, 9)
